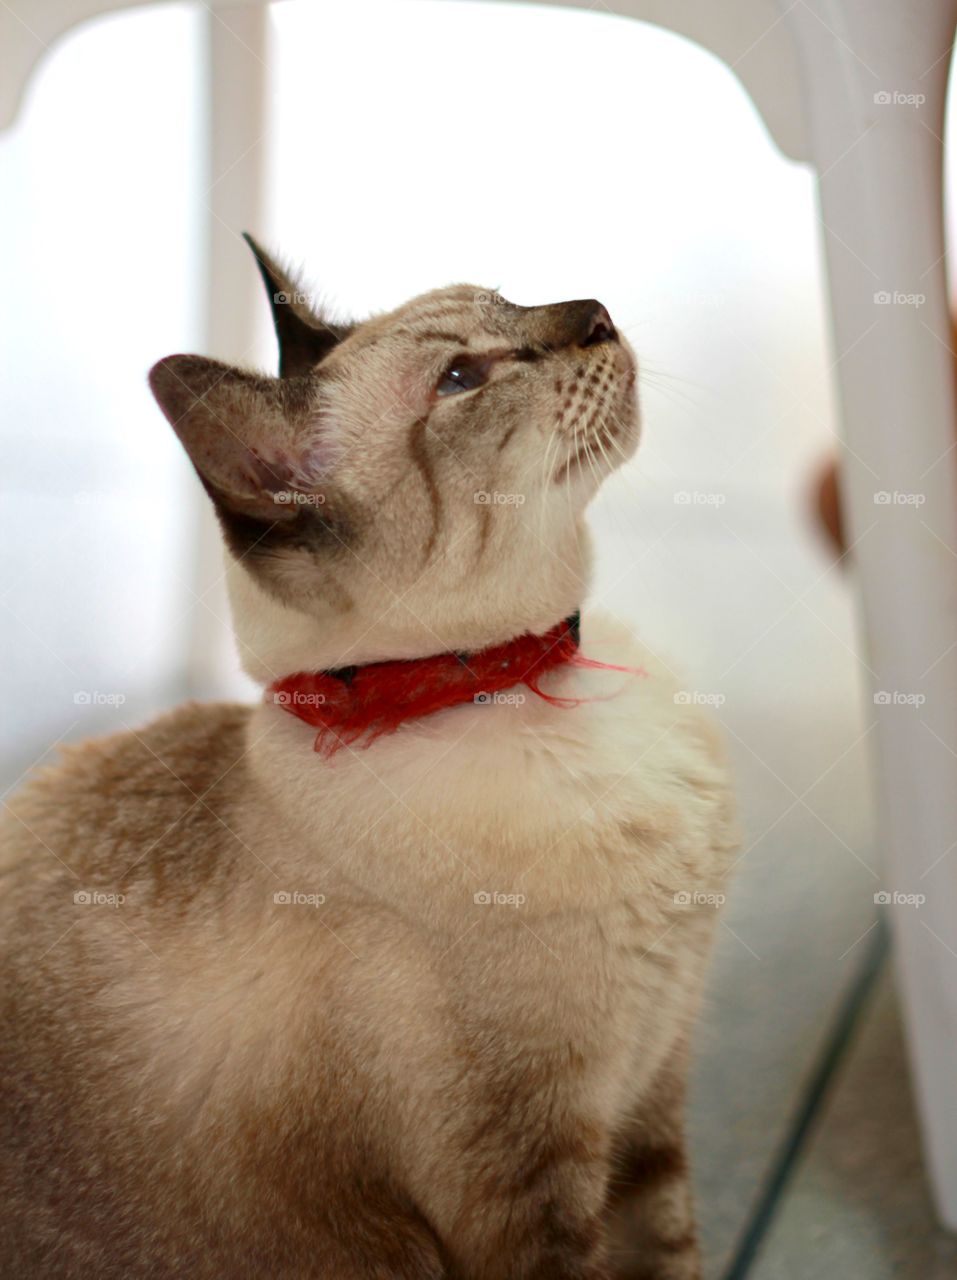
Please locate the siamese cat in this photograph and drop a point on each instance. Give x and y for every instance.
(415, 1005)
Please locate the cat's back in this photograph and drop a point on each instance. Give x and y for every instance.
(135, 807)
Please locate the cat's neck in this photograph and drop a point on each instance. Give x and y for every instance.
(276, 640)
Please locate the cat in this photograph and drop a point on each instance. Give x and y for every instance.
(418, 1006)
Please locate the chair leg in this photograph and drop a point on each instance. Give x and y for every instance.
(877, 81)
(237, 100)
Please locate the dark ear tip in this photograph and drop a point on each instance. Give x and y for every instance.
(179, 380)
(164, 373)
(272, 276)
(158, 376)
(262, 258)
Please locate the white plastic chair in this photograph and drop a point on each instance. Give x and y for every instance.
(855, 88)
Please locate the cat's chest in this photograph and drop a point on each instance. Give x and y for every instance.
(521, 805)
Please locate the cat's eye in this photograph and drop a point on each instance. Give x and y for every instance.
(465, 373)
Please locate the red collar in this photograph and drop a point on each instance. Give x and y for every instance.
(361, 703)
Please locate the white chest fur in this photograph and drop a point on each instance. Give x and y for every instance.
(515, 803)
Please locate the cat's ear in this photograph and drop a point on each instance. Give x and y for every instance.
(261, 446)
(304, 336)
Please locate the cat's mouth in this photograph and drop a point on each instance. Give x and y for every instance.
(598, 416)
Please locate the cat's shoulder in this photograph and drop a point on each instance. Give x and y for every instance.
(191, 739)
(127, 781)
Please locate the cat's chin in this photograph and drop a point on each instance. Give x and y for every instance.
(592, 458)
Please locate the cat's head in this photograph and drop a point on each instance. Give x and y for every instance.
(410, 484)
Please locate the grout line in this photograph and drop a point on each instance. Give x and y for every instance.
(785, 1163)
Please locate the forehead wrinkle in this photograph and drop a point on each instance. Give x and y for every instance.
(376, 328)
(451, 319)
(435, 335)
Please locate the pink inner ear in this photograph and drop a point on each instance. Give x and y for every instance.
(274, 468)
(317, 460)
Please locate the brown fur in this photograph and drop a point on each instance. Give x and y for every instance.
(264, 1017)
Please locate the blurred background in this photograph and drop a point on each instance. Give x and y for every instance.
(549, 154)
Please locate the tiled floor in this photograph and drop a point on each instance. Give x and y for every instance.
(857, 1204)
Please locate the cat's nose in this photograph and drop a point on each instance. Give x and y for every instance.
(595, 325)
(583, 323)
